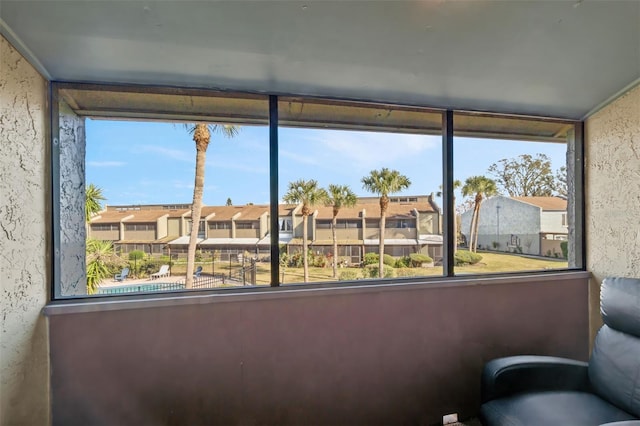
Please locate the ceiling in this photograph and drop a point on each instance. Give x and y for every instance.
(545, 58)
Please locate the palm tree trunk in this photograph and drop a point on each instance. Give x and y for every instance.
(471, 229)
(383, 223)
(476, 226)
(196, 211)
(305, 258)
(334, 222)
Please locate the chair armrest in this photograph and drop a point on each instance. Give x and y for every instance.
(516, 374)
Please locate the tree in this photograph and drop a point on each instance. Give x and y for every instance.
(478, 187)
(339, 196)
(309, 194)
(525, 175)
(92, 206)
(456, 184)
(229, 202)
(201, 136)
(384, 182)
(100, 257)
(561, 182)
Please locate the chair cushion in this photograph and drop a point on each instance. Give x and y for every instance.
(614, 369)
(564, 408)
(620, 304)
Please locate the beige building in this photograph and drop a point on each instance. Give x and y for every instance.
(411, 227)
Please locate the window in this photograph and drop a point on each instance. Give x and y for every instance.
(511, 193)
(246, 225)
(105, 227)
(285, 225)
(219, 225)
(324, 142)
(139, 227)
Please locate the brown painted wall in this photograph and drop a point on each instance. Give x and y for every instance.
(394, 355)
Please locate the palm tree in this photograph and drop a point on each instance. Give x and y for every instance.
(384, 182)
(339, 196)
(93, 196)
(201, 136)
(479, 187)
(100, 256)
(308, 194)
(456, 184)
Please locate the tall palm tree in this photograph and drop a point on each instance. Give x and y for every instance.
(93, 196)
(479, 187)
(339, 196)
(309, 194)
(456, 184)
(384, 182)
(201, 136)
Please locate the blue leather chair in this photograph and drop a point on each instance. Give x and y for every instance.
(538, 391)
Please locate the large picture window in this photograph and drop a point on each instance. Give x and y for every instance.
(300, 191)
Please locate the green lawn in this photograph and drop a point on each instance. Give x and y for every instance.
(490, 263)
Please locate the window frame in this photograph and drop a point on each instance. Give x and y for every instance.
(575, 166)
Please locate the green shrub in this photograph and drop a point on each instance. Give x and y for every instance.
(136, 255)
(371, 271)
(389, 260)
(564, 246)
(464, 257)
(319, 261)
(371, 259)
(349, 275)
(417, 259)
(403, 262)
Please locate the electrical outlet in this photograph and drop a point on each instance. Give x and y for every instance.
(450, 418)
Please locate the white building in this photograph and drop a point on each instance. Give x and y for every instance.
(531, 225)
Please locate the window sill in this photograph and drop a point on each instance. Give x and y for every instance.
(114, 303)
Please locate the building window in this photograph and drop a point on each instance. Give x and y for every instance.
(246, 225)
(139, 227)
(219, 225)
(325, 141)
(105, 227)
(285, 225)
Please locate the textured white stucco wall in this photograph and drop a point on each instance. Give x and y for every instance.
(73, 235)
(613, 193)
(24, 358)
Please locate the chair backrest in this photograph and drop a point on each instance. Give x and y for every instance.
(614, 367)
(124, 273)
(163, 269)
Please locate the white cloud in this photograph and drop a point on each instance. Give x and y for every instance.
(299, 158)
(367, 151)
(174, 154)
(106, 163)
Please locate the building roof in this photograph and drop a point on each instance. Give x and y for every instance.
(285, 209)
(249, 212)
(129, 216)
(545, 203)
(344, 213)
(394, 211)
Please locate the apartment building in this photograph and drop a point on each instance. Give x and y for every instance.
(412, 226)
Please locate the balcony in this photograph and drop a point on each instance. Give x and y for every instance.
(380, 354)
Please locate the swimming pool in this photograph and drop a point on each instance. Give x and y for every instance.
(141, 288)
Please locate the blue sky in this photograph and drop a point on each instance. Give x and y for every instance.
(151, 162)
